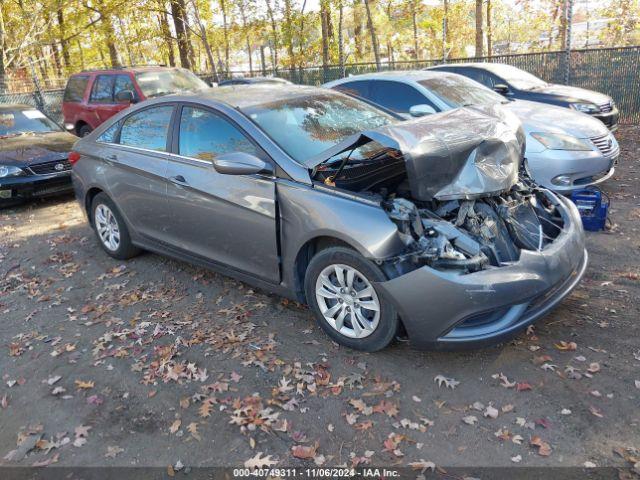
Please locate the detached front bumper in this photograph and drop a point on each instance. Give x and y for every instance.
(442, 309)
(16, 189)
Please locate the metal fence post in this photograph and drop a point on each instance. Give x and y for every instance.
(568, 11)
(38, 98)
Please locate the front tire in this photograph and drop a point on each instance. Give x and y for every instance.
(111, 230)
(340, 289)
(84, 130)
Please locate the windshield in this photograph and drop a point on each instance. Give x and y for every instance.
(518, 78)
(164, 82)
(307, 126)
(458, 91)
(16, 122)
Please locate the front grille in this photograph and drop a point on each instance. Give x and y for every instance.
(606, 145)
(606, 107)
(50, 167)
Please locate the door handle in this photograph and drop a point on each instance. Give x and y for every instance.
(179, 179)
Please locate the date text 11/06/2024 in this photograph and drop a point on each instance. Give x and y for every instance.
(316, 473)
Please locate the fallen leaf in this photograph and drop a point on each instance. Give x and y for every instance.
(258, 462)
(448, 382)
(113, 451)
(304, 452)
(192, 428)
(423, 466)
(596, 411)
(491, 412)
(81, 384)
(566, 346)
(175, 426)
(544, 449)
(470, 419)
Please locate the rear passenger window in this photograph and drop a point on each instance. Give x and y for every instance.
(204, 135)
(102, 90)
(147, 128)
(75, 88)
(359, 88)
(396, 96)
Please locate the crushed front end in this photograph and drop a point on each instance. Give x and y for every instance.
(477, 272)
(486, 252)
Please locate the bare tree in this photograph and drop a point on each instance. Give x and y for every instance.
(479, 29)
(205, 42)
(489, 31)
(341, 39)
(274, 34)
(178, 12)
(372, 33)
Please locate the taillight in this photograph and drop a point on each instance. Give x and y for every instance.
(74, 157)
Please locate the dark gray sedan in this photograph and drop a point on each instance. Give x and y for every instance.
(384, 227)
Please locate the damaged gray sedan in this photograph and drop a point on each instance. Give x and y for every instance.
(383, 227)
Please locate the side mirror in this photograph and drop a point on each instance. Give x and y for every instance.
(421, 110)
(501, 88)
(125, 96)
(240, 163)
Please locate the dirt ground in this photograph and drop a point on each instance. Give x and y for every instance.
(153, 362)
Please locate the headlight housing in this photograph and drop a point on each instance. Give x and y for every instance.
(586, 107)
(10, 171)
(557, 141)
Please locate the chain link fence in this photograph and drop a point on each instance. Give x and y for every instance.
(613, 71)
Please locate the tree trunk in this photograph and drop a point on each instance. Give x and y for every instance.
(324, 21)
(301, 37)
(263, 63)
(341, 39)
(247, 36)
(274, 35)
(166, 35)
(357, 30)
(445, 26)
(372, 33)
(489, 31)
(288, 33)
(63, 42)
(479, 30)
(225, 31)
(3, 79)
(205, 42)
(178, 14)
(414, 24)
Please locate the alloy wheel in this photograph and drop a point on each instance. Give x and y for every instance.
(347, 301)
(107, 227)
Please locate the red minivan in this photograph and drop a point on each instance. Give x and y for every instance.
(92, 96)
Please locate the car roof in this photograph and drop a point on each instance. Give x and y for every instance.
(244, 96)
(401, 75)
(115, 70)
(4, 107)
(490, 67)
(250, 80)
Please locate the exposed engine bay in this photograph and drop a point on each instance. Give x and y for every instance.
(456, 199)
(471, 235)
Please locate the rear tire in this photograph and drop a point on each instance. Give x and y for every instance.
(111, 229)
(340, 289)
(84, 130)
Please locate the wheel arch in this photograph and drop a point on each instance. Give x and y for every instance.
(307, 251)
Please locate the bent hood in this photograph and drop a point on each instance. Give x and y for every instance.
(541, 117)
(25, 150)
(459, 154)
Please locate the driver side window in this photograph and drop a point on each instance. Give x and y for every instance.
(205, 135)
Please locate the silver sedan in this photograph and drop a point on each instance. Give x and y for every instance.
(565, 149)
